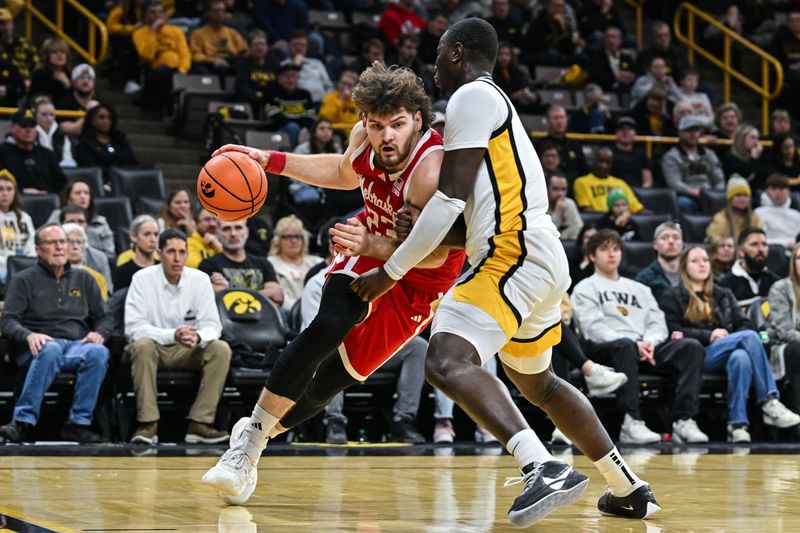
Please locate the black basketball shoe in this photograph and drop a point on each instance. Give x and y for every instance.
(547, 486)
(638, 504)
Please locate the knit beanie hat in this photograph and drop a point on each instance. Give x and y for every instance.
(614, 195)
(737, 185)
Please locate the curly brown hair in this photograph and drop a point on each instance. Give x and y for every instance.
(383, 91)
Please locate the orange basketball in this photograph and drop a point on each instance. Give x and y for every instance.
(232, 186)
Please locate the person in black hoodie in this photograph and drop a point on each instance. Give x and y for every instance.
(101, 143)
(35, 168)
(255, 71)
(699, 309)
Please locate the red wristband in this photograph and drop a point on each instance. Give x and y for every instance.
(276, 163)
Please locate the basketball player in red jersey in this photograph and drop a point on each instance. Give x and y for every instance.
(394, 157)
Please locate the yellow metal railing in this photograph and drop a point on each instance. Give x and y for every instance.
(647, 140)
(95, 50)
(60, 113)
(637, 6)
(768, 91)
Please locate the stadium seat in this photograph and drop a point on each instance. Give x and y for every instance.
(590, 217)
(267, 140)
(327, 20)
(39, 206)
(795, 196)
(117, 210)
(570, 248)
(533, 123)
(694, 227)
(712, 200)
(548, 75)
(135, 183)
(196, 83)
(777, 260)
(560, 97)
(637, 255)
(15, 264)
(368, 19)
(648, 223)
(149, 206)
(93, 175)
(122, 240)
(243, 109)
(659, 200)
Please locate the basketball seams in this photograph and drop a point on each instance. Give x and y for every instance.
(246, 182)
(253, 204)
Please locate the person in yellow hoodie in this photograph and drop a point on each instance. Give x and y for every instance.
(215, 46)
(591, 191)
(203, 243)
(163, 48)
(338, 106)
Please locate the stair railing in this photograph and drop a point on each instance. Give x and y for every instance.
(95, 50)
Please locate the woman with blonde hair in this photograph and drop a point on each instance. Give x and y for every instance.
(288, 253)
(18, 230)
(49, 132)
(53, 78)
(722, 254)
(746, 157)
(737, 215)
(784, 330)
(699, 309)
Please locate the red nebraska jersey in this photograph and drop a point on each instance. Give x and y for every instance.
(384, 195)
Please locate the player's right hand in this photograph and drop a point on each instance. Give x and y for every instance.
(404, 221)
(260, 156)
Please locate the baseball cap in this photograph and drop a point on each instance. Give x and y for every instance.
(625, 121)
(690, 121)
(286, 65)
(82, 69)
(5, 15)
(24, 118)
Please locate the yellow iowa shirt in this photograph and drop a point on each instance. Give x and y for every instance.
(591, 192)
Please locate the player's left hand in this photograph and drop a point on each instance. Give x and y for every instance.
(350, 239)
(373, 284)
(404, 220)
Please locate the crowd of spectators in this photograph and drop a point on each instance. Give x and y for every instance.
(684, 314)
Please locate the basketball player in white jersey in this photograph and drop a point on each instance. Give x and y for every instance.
(508, 303)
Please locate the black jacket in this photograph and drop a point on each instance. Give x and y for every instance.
(43, 82)
(90, 152)
(726, 310)
(741, 288)
(600, 69)
(36, 168)
(64, 308)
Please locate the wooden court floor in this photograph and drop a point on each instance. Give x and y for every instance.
(699, 493)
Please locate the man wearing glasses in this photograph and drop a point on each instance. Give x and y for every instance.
(58, 322)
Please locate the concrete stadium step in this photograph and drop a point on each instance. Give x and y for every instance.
(171, 154)
(138, 125)
(160, 140)
(180, 175)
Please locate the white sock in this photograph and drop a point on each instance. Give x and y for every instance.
(618, 474)
(274, 432)
(257, 432)
(526, 448)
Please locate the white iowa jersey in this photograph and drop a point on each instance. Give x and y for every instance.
(510, 194)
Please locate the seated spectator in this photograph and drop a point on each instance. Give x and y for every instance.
(745, 158)
(596, 17)
(171, 321)
(288, 107)
(573, 162)
(780, 220)
(580, 267)
(102, 144)
(784, 331)
(163, 49)
(260, 236)
(93, 257)
(515, 82)
(785, 159)
(76, 251)
(749, 278)
(12, 86)
(550, 158)
(594, 116)
(16, 49)
(235, 269)
(592, 190)
(505, 19)
(57, 321)
(372, 50)
(289, 256)
(215, 46)
(564, 211)
(49, 132)
(689, 167)
(699, 101)
(723, 255)
(674, 57)
(308, 200)
(726, 122)
(610, 68)
(142, 254)
(705, 312)
(53, 79)
(618, 217)
(737, 215)
(314, 76)
(122, 21)
(406, 56)
(279, 18)
(650, 114)
(552, 37)
(400, 17)
(80, 98)
(34, 168)
(17, 235)
(409, 361)
(338, 107)
(254, 72)
(779, 122)
(79, 192)
(656, 76)
(203, 243)
(631, 163)
(662, 273)
(177, 212)
(622, 326)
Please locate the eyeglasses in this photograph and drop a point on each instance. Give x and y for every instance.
(76, 242)
(51, 242)
(292, 237)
